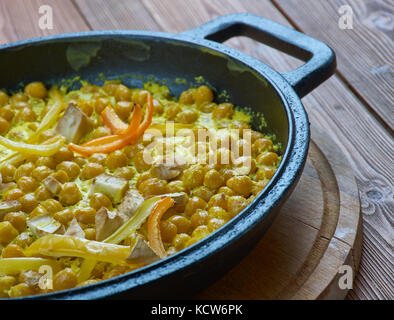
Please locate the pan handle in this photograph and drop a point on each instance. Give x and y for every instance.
(320, 58)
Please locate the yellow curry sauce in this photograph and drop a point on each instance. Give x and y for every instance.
(70, 218)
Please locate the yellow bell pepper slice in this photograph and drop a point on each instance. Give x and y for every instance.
(44, 150)
(51, 116)
(55, 245)
(10, 266)
(127, 229)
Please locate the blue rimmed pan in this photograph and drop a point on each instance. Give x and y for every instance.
(178, 60)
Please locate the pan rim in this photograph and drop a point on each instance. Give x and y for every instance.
(290, 168)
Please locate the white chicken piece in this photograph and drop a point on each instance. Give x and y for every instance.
(75, 230)
(74, 124)
(107, 223)
(142, 253)
(45, 224)
(53, 185)
(112, 187)
(130, 203)
(9, 206)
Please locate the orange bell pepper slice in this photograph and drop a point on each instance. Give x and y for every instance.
(111, 143)
(154, 236)
(112, 120)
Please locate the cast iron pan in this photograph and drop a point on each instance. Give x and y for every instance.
(137, 56)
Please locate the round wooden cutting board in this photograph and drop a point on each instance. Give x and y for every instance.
(317, 231)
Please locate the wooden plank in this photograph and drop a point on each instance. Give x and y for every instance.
(129, 14)
(19, 19)
(365, 53)
(331, 107)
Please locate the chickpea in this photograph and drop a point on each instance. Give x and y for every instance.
(125, 173)
(65, 279)
(91, 170)
(172, 112)
(99, 200)
(7, 232)
(6, 282)
(100, 104)
(255, 135)
(193, 177)
(241, 185)
(24, 240)
(7, 113)
(261, 145)
(122, 93)
(85, 215)
(61, 176)
(21, 290)
(4, 126)
(152, 186)
(42, 193)
(41, 172)
(80, 161)
(90, 233)
(193, 205)
(38, 211)
(219, 213)
(265, 173)
(71, 168)
(223, 110)
(64, 217)
(70, 194)
(218, 200)
(200, 232)
(213, 179)
(131, 150)
(140, 97)
(26, 114)
(140, 163)
(224, 157)
(168, 230)
(17, 219)
(226, 191)
(110, 87)
(182, 223)
(236, 204)
(13, 194)
(116, 159)
(203, 94)
(63, 155)
(187, 97)
(267, 159)
(203, 193)
(7, 172)
(124, 109)
(3, 98)
(207, 107)
(180, 240)
(158, 107)
(98, 158)
(214, 224)
(175, 186)
(36, 90)
(101, 132)
(27, 184)
(259, 186)
(86, 106)
(187, 116)
(24, 170)
(52, 205)
(19, 97)
(46, 135)
(49, 162)
(13, 251)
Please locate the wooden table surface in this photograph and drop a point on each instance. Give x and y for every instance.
(355, 107)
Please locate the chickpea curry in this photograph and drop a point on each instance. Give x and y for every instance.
(102, 180)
